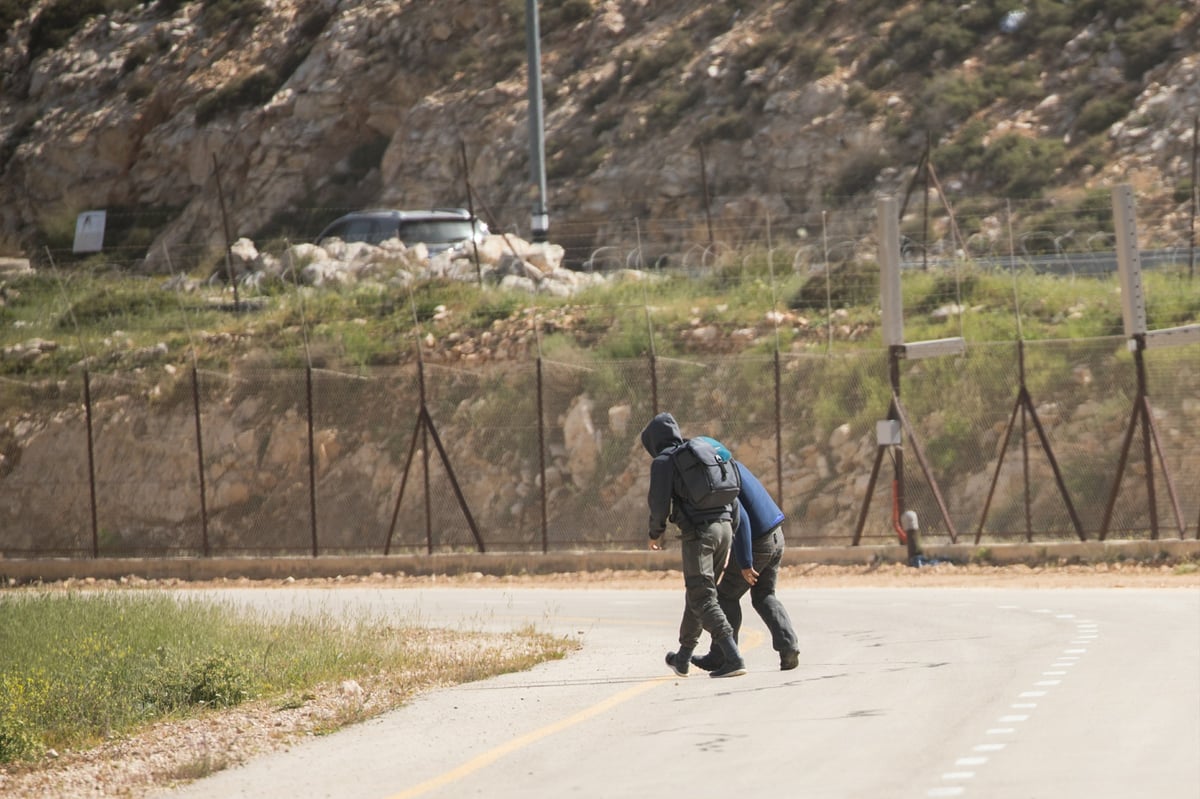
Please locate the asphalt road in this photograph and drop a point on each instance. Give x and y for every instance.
(981, 693)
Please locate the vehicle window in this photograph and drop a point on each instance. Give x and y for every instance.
(381, 231)
(351, 230)
(436, 231)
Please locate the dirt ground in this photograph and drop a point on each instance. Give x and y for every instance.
(1120, 574)
(894, 575)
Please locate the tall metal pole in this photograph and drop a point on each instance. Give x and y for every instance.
(228, 244)
(925, 207)
(1195, 192)
(707, 199)
(540, 219)
(462, 148)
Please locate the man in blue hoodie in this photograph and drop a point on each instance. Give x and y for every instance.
(706, 536)
(757, 553)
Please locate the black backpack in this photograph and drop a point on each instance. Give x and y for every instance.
(702, 479)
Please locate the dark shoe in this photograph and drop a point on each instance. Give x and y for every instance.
(788, 660)
(709, 662)
(730, 668)
(678, 665)
(732, 664)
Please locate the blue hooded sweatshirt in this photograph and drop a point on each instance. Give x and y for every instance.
(759, 515)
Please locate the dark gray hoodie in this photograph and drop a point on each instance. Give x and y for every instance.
(659, 437)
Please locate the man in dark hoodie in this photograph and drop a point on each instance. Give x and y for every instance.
(706, 537)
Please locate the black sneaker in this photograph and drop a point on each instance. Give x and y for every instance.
(734, 668)
(788, 660)
(678, 665)
(709, 662)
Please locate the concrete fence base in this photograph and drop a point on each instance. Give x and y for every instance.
(20, 571)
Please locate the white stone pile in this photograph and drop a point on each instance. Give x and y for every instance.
(504, 260)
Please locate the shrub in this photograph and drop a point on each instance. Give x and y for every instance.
(60, 20)
(858, 171)
(603, 90)
(949, 99)
(223, 15)
(107, 303)
(16, 741)
(729, 127)
(563, 13)
(254, 89)
(1183, 191)
(861, 99)
(21, 700)
(813, 60)
(803, 11)
(671, 103)
(882, 70)
(652, 62)
(214, 682)
(756, 54)
(964, 151)
(1101, 111)
(578, 155)
(917, 39)
(945, 287)
(1145, 49)
(11, 12)
(849, 284)
(713, 20)
(1021, 166)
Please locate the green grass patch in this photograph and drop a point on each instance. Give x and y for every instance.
(76, 668)
(120, 321)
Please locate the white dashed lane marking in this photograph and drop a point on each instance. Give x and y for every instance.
(1086, 632)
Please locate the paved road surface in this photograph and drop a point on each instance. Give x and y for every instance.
(980, 693)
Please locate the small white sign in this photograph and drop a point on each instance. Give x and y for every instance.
(887, 432)
(89, 231)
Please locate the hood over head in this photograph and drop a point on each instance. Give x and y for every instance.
(661, 433)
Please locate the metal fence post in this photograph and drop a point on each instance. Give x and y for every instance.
(778, 428)
(200, 463)
(541, 414)
(312, 459)
(91, 453)
(653, 358)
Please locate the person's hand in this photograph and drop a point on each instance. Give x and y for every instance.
(655, 544)
(750, 576)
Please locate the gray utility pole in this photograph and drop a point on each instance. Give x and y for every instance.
(540, 220)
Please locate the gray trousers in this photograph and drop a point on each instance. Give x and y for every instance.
(768, 554)
(705, 550)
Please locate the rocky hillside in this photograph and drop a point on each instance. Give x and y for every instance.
(306, 106)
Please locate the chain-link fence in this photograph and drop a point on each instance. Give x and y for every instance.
(1015, 439)
(545, 455)
(1068, 234)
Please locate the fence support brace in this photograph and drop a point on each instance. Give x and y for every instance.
(1024, 404)
(428, 429)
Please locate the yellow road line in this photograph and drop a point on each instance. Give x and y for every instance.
(752, 639)
(491, 756)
